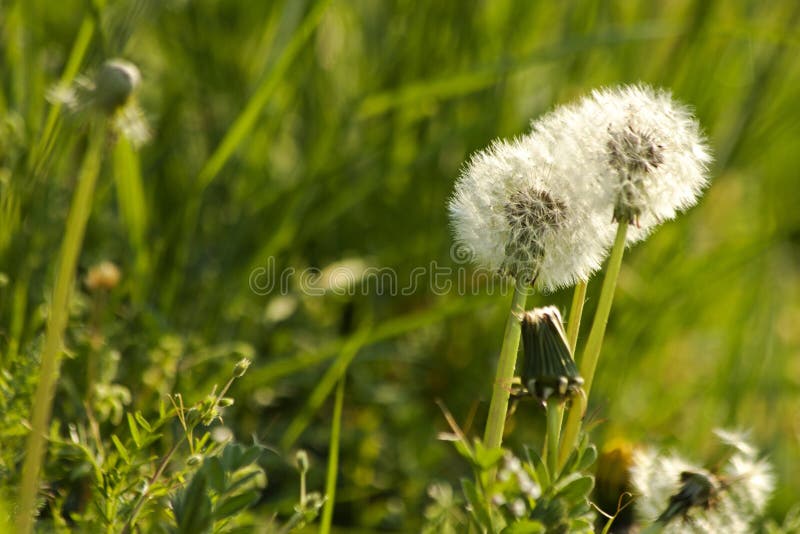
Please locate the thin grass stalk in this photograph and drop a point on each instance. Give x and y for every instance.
(79, 47)
(498, 408)
(591, 352)
(59, 312)
(573, 328)
(575, 314)
(333, 460)
(554, 414)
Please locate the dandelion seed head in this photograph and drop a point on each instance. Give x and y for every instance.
(739, 493)
(640, 154)
(515, 215)
(115, 82)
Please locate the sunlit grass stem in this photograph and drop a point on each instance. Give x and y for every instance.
(498, 408)
(575, 314)
(573, 328)
(59, 312)
(46, 137)
(554, 414)
(333, 460)
(591, 352)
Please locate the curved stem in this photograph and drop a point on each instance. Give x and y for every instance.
(333, 460)
(504, 376)
(591, 353)
(57, 321)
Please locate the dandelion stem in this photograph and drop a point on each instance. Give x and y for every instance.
(554, 414)
(575, 314)
(504, 376)
(59, 312)
(591, 352)
(573, 327)
(333, 460)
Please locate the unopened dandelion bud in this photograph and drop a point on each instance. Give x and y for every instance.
(105, 275)
(241, 367)
(548, 369)
(115, 82)
(301, 459)
(224, 402)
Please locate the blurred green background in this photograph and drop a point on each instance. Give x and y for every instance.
(327, 135)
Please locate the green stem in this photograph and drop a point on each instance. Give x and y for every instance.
(333, 460)
(79, 47)
(575, 314)
(57, 321)
(554, 414)
(143, 497)
(501, 389)
(573, 328)
(591, 353)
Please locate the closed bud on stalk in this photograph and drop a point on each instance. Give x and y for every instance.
(301, 459)
(105, 275)
(224, 402)
(547, 367)
(115, 82)
(241, 367)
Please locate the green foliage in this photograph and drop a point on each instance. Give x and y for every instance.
(328, 134)
(508, 495)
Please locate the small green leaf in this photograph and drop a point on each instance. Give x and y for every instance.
(123, 452)
(478, 505)
(542, 475)
(487, 458)
(137, 439)
(245, 475)
(231, 506)
(215, 473)
(526, 526)
(143, 422)
(192, 507)
(588, 458)
(464, 451)
(574, 487)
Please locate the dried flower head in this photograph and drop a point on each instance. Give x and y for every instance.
(687, 498)
(515, 215)
(110, 92)
(105, 275)
(640, 152)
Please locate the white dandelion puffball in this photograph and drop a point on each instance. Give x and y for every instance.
(514, 215)
(738, 496)
(642, 153)
(540, 208)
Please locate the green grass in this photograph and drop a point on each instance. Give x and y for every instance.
(314, 132)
